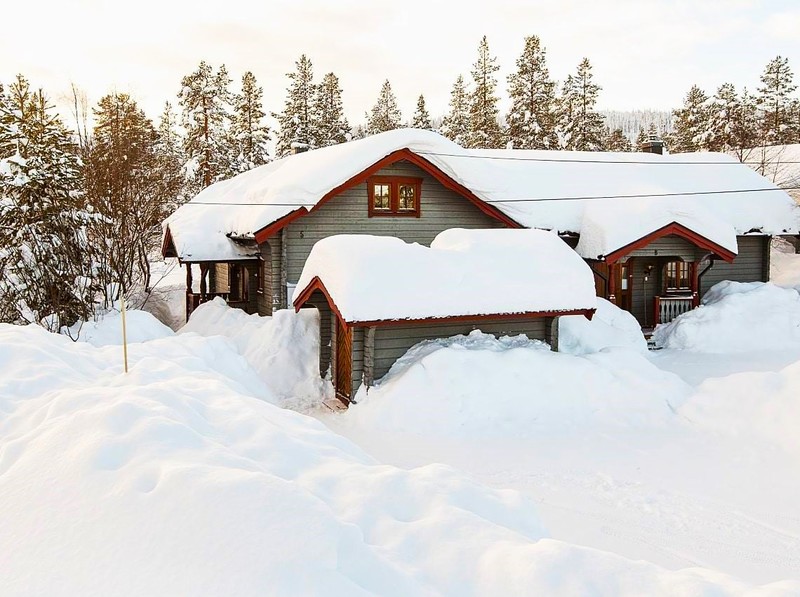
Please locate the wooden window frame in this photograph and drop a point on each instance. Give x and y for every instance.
(394, 183)
(260, 276)
(680, 265)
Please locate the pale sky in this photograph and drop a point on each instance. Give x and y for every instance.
(645, 53)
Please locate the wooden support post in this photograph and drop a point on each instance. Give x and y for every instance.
(369, 357)
(188, 290)
(694, 276)
(284, 273)
(203, 284)
(612, 283)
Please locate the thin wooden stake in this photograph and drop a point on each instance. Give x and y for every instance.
(124, 336)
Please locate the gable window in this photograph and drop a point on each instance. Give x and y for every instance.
(676, 277)
(394, 196)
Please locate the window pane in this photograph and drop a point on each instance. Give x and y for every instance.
(408, 199)
(381, 196)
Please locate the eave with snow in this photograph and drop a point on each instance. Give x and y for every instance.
(651, 226)
(377, 296)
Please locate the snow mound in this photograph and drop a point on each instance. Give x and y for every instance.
(478, 386)
(175, 480)
(141, 326)
(737, 317)
(762, 406)
(610, 327)
(282, 349)
(784, 264)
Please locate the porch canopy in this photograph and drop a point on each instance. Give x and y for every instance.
(370, 280)
(612, 230)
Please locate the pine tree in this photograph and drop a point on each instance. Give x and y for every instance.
(455, 125)
(422, 119)
(690, 130)
(127, 187)
(385, 115)
(582, 126)
(746, 130)
(774, 102)
(249, 132)
(641, 139)
(297, 126)
(617, 141)
(331, 125)
(723, 113)
(206, 103)
(532, 118)
(484, 129)
(170, 157)
(45, 274)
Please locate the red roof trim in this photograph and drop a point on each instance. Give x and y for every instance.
(263, 234)
(316, 284)
(395, 156)
(677, 230)
(167, 245)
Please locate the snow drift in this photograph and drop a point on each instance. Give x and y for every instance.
(174, 479)
(283, 349)
(610, 327)
(479, 386)
(737, 317)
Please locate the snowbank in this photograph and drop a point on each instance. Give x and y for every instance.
(175, 480)
(762, 406)
(464, 272)
(282, 349)
(477, 386)
(610, 327)
(737, 317)
(784, 264)
(140, 327)
(167, 300)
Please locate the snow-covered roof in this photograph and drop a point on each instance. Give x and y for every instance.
(609, 226)
(462, 273)
(538, 189)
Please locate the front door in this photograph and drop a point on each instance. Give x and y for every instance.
(344, 361)
(624, 285)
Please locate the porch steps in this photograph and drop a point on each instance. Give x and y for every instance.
(648, 335)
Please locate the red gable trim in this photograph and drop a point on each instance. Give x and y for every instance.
(678, 230)
(316, 284)
(395, 156)
(168, 245)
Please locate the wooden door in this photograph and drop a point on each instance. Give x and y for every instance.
(344, 361)
(624, 285)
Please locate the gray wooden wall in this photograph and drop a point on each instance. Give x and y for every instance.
(750, 265)
(440, 209)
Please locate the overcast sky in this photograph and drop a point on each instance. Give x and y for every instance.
(645, 53)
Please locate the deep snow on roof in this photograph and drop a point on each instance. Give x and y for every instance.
(462, 273)
(538, 189)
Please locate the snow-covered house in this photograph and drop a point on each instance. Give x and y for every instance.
(658, 231)
(378, 296)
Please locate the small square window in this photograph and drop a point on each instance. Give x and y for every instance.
(407, 198)
(394, 196)
(381, 197)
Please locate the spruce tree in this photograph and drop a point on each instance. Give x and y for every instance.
(774, 102)
(45, 273)
(170, 157)
(206, 103)
(484, 128)
(297, 127)
(385, 115)
(455, 125)
(532, 118)
(331, 125)
(582, 125)
(641, 139)
(617, 141)
(422, 119)
(690, 130)
(250, 133)
(723, 113)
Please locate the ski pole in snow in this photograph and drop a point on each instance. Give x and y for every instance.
(124, 336)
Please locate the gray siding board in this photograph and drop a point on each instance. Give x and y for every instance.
(673, 246)
(750, 265)
(347, 213)
(358, 357)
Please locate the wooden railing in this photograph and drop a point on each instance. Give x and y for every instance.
(195, 299)
(669, 307)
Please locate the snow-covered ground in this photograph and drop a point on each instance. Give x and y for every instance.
(477, 467)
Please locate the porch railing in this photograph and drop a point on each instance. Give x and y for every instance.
(195, 299)
(669, 307)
